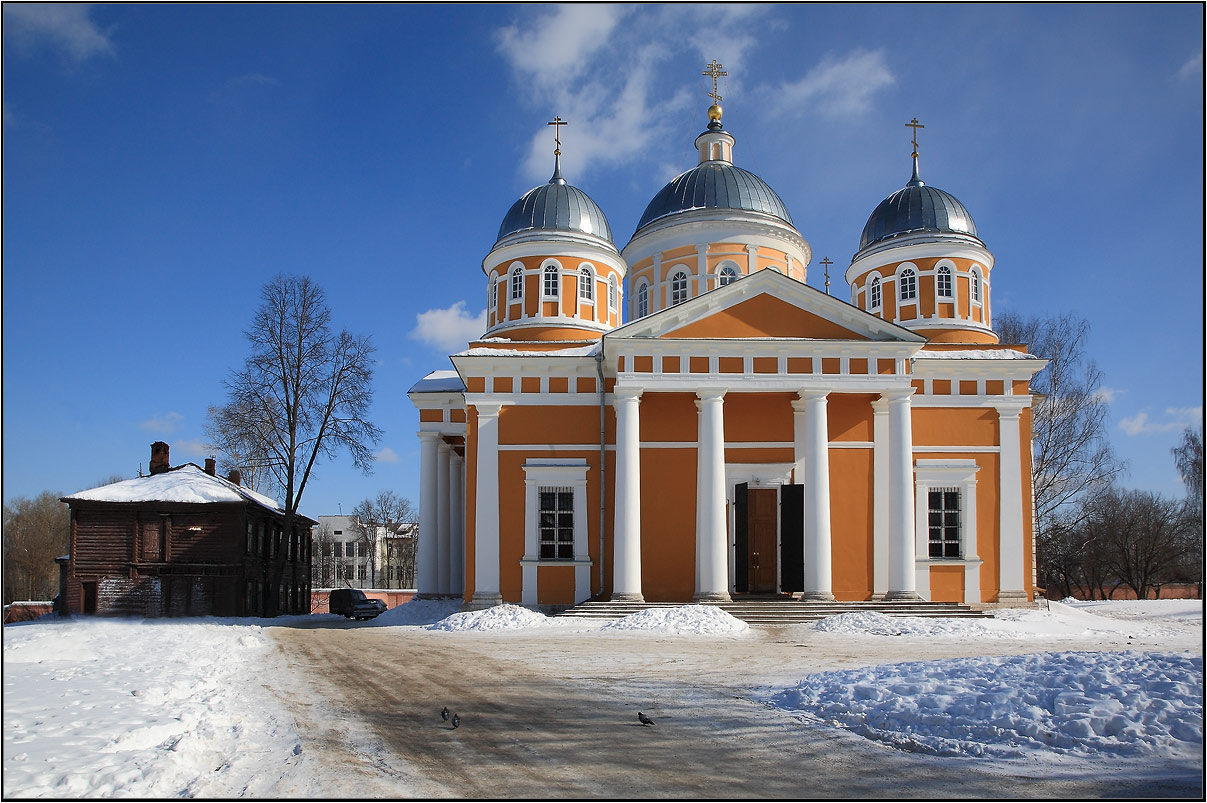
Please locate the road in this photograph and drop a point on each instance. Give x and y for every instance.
(548, 716)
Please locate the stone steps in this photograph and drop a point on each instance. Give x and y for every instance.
(784, 610)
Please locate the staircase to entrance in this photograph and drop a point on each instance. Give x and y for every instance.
(773, 610)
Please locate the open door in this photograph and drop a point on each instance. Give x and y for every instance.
(741, 540)
(792, 538)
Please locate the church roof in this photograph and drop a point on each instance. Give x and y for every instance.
(715, 185)
(556, 207)
(916, 208)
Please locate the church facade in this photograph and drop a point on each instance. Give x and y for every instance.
(684, 419)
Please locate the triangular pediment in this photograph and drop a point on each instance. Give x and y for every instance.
(766, 305)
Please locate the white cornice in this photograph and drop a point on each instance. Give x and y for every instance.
(716, 226)
(553, 248)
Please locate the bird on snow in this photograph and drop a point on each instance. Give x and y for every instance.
(456, 721)
(444, 714)
(643, 719)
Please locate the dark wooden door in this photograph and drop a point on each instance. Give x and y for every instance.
(792, 538)
(763, 516)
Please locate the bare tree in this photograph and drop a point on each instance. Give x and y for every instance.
(1071, 456)
(36, 531)
(322, 557)
(1188, 456)
(1143, 534)
(382, 517)
(233, 433)
(303, 393)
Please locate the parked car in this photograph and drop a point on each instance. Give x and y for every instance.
(353, 604)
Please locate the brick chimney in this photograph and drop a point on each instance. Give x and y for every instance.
(159, 458)
(235, 477)
(210, 466)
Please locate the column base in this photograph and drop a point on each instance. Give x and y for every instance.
(816, 596)
(482, 600)
(1009, 598)
(712, 596)
(627, 598)
(902, 596)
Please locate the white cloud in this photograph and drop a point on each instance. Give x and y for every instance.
(164, 424)
(64, 27)
(386, 455)
(450, 329)
(1193, 68)
(190, 448)
(1107, 395)
(559, 46)
(838, 87)
(1173, 419)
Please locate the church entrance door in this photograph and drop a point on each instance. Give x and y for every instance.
(762, 517)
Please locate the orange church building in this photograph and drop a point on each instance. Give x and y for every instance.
(684, 419)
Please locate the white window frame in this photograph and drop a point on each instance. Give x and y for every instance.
(680, 274)
(875, 292)
(909, 272)
(613, 294)
(551, 269)
(947, 473)
(554, 472)
(641, 301)
(977, 290)
(940, 272)
(728, 274)
(515, 283)
(586, 284)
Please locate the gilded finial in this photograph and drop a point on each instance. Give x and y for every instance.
(714, 71)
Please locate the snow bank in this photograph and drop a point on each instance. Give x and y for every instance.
(418, 612)
(702, 620)
(132, 708)
(873, 623)
(500, 617)
(1125, 703)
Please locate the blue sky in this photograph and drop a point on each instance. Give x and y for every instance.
(161, 162)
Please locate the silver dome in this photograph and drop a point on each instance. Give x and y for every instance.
(715, 185)
(916, 207)
(556, 206)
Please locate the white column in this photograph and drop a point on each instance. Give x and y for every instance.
(427, 559)
(712, 549)
(1012, 587)
(456, 509)
(818, 571)
(626, 570)
(486, 514)
(442, 524)
(902, 559)
(880, 499)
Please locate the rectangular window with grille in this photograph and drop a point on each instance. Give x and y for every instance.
(556, 521)
(944, 519)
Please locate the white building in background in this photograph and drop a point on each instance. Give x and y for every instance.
(341, 555)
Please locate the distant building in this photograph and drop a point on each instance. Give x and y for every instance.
(342, 553)
(183, 542)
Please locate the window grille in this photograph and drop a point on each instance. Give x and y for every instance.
(551, 281)
(517, 284)
(944, 520)
(728, 274)
(556, 521)
(909, 285)
(874, 299)
(643, 300)
(586, 285)
(613, 294)
(944, 282)
(976, 286)
(678, 288)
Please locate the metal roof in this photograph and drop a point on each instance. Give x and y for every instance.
(556, 206)
(916, 207)
(715, 185)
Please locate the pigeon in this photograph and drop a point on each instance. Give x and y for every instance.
(444, 714)
(643, 719)
(456, 721)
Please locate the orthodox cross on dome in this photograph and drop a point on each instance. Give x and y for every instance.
(914, 124)
(827, 262)
(714, 70)
(557, 124)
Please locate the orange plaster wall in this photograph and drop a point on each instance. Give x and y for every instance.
(780, 455)
(758, 417)
(431, 416)
(669, 417)
(849, 416)
(542, 333)
(851, 523)
(947, 583)
(764, 316)
(957, 336)
(555, 585)
(668, 524)
(954, 426)
(548, 424)
(511, 521)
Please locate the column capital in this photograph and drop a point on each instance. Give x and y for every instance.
(897, 394)
(880, 406)
(445, 446)
(710, 395)
(811, 395)
(428, 435)
(626, 394)
(1011, 408)
(488, 409)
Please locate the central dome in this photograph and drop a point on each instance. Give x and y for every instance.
(916, 208)
(715, 185)
(558, 207)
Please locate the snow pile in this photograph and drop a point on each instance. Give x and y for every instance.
(500, 617)
(1168, 610)
(1125, 703)
(696, 620)
(131, 708)
(873, 623)
(419, 612)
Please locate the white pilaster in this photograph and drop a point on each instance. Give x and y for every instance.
(428, 558)
(701, 277)
(442, 526)
(712, 550)
(531, 561)
(486, 515)
(626, 571)
(456, 506)
(752, 259)
(902, 555)
(818, 561)
(1012, 587)
(880, 499)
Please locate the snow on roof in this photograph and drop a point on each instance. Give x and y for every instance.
(442, 381)
(975, 354)
(574, 351)
(187, 483)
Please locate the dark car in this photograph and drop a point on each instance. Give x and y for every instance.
(353, 604)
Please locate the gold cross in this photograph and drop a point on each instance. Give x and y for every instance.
(557, 124)
(914, 124)
(827, 262)
(716, 72)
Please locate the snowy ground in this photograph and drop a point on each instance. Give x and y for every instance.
(191, 708)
